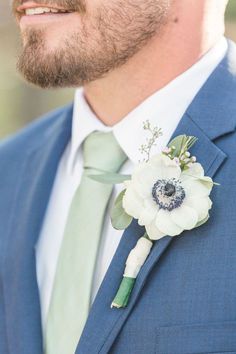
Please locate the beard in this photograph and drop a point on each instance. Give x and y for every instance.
(105, 40)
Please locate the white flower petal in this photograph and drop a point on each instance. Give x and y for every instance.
(201, 205)
(132, 203)
(194, 187)
(143, 184)
(169, 172)
(153, 232)
(166, 167)
(149, 203)
(149, 212)
(142, 170)
(195, 170)
(185, 217)
(207, 182)
(143, 179)
(165, 224)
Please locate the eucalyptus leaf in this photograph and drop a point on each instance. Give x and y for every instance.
(110, 178)
(119, 218)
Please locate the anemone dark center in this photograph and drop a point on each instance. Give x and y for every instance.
(168, 193)
(169, 189)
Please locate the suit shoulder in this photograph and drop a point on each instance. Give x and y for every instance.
(32, 134)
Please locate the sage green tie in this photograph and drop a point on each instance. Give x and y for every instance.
(71, 293)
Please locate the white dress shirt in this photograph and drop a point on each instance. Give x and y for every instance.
(163, 109)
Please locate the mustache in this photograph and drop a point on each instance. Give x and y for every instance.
(69, 5)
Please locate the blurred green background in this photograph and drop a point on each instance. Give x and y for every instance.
(21, 102)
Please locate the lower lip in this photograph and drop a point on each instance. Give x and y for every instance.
(44, 18)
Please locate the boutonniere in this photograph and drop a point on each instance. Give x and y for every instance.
(167, 193)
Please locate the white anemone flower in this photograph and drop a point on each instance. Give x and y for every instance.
(165, 199)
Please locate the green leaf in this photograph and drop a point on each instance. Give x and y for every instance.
(200, 223)
(182, 143)
(119, 218)
(191, 141)
(110, 178)
(178, 143)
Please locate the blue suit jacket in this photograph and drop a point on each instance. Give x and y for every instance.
(184, 300)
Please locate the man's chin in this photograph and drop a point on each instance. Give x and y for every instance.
(40, 65)
(44, 73)
(60, 67)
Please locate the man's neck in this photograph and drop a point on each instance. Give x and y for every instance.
(153, 67)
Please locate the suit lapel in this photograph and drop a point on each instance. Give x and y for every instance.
(203, 119)
(20, 284)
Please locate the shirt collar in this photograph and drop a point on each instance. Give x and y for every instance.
(164, 109)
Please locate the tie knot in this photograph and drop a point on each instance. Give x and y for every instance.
(101, 151)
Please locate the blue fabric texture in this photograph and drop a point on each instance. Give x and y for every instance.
(184, 300)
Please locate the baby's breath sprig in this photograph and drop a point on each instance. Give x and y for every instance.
(155, 132)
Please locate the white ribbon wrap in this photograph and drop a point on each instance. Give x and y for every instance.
(137, 257)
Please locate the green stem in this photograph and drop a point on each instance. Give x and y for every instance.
(123, 294)
(126, 286)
